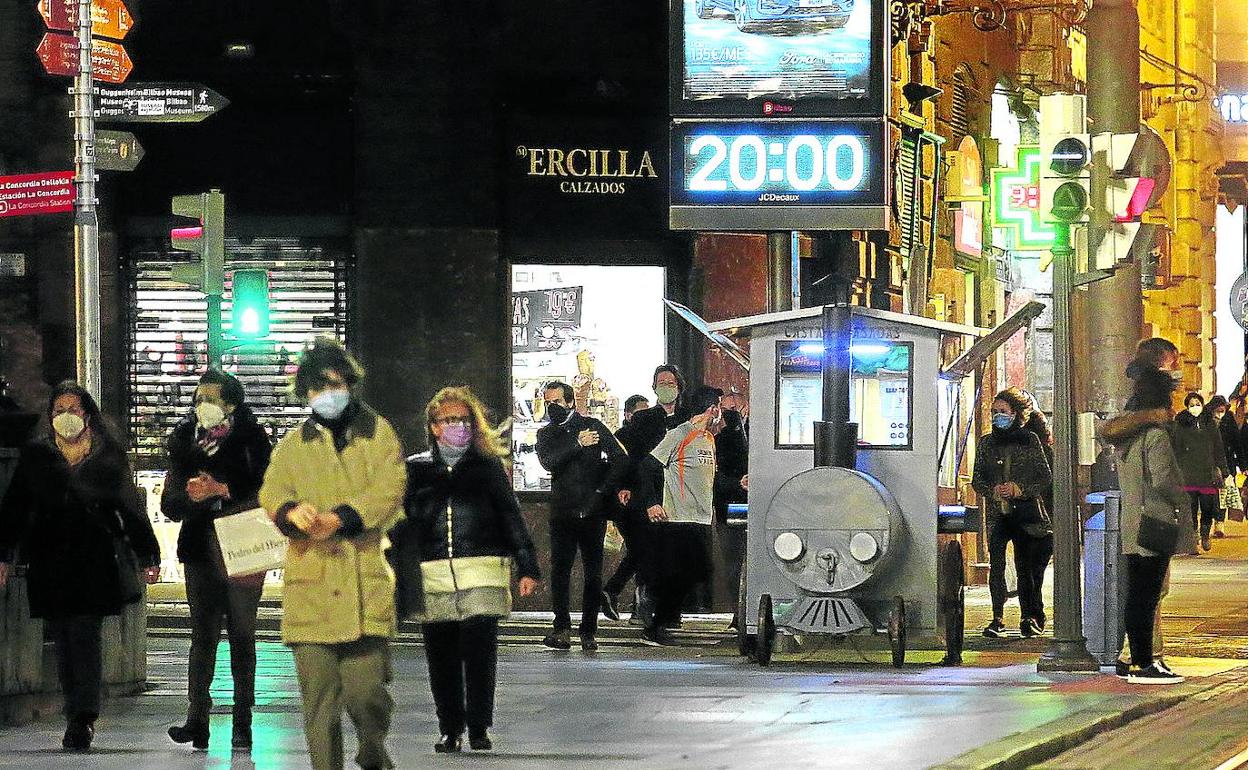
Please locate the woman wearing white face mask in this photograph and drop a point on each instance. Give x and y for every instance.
(217, 458)
(74, 514)
(1202, 458)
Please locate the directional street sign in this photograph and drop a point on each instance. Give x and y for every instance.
(109, 18)
(59, 54)
(117, 151)
(50, 192)
(158, 103)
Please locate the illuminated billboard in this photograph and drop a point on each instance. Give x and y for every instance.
(795, 58)
(778, 175)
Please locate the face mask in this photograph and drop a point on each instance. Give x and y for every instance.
(1195, 410)
(1002, 421)
(457, 436)
(209, 415)
(667, 394)
(68, 425)
(557, 413)
(1176, 375)
(330, 404)
(1217, 416)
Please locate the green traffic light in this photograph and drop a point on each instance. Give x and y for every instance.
(251, 304)
(1070, 200)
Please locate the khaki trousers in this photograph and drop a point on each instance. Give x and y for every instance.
(350, 676)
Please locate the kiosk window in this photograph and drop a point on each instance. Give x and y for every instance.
(879, 395)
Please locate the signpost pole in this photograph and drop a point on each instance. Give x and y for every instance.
(1068, 651)
(86, 219)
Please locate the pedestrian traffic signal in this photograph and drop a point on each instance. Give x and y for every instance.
(250, 313)
(206, 240)
(1067, 158)
(1130, 172)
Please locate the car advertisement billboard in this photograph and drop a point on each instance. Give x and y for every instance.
(777, 57)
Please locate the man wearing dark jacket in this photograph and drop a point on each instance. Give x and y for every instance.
(587, 466)
(217, 458)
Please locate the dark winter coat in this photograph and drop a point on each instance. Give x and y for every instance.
(732, 462)
(639, 437)
(583, 479)
(469, 510)
(1198, 448)
(61, 522)
(1230, 433)
(1028, 467)
(239, 462)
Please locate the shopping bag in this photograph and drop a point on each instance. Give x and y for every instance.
(250, 543)
(613, 541)
(1230, 498)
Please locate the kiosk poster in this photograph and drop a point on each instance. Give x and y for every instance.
(544, 320)
(789, 50)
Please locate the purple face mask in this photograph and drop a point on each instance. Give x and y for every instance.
(456, 435)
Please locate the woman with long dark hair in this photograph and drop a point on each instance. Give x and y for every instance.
(73, 515)
(465, 520)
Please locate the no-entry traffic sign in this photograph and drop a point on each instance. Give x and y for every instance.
(49, 192)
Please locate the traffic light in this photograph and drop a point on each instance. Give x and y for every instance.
(1130, 172)
(250, 311)
(1067, 158)
(207, 240)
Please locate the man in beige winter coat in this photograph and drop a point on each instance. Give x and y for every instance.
(335, 486)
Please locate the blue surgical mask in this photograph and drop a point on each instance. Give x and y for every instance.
(1002, 421)
(330, 404)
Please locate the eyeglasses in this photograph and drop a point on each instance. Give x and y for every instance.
(462, 421)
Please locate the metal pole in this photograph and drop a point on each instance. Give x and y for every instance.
(779, 272)
(86, 220)
(1069, 649)
(216, 337)
(795, 270)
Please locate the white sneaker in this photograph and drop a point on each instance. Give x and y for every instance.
(1153, 675)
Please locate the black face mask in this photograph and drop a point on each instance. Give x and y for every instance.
(557, 413)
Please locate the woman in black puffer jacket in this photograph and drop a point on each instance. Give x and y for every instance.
(1198, 448)
(464, 520)
(217, 458)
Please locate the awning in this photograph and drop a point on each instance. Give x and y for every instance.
(985, 346)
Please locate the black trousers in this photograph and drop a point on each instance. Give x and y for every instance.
(1145, 575)
(567, 536)
(634, 526)
(214, 600)
(681, 561)
(1031, 556)
(79, 664)
(1204, 512)
(463, 667)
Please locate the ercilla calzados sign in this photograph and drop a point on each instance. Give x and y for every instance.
(583, 170)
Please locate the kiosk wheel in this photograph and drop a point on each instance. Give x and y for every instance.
(745, 640)
(897, 631)
(953, 603)
(765, 642)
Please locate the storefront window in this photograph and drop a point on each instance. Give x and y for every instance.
(598, 328)
(879, 394)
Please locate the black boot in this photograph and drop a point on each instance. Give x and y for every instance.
(449, 744)
(78, 735)
(479, 739)
(194, 733)
(241, 738)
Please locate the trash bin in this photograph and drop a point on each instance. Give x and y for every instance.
(1103, 580)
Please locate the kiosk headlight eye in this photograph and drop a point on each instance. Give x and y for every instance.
(789, 546)
(863, 547)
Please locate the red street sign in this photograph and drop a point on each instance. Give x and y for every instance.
(109, 18)
(50, 192)
(59, 53)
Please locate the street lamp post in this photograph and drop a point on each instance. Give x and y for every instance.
(86, 218)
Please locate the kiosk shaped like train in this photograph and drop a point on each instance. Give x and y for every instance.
(854, 550)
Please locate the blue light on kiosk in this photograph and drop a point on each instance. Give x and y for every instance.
(811, 348)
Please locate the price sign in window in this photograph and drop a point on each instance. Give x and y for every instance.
(879, 394)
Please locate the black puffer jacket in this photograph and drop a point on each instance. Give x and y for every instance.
(483, 517)
(1028, 467)
(639, 437)
(63, 520)
(583, 479)
(239, 462)
(1198, 448)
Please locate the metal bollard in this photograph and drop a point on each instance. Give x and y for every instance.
(1103, 580)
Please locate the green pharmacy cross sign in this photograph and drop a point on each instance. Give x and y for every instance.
(1016, 201)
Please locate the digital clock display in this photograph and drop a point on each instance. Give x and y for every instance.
(829, 166)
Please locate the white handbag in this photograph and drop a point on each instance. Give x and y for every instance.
(250, 543)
